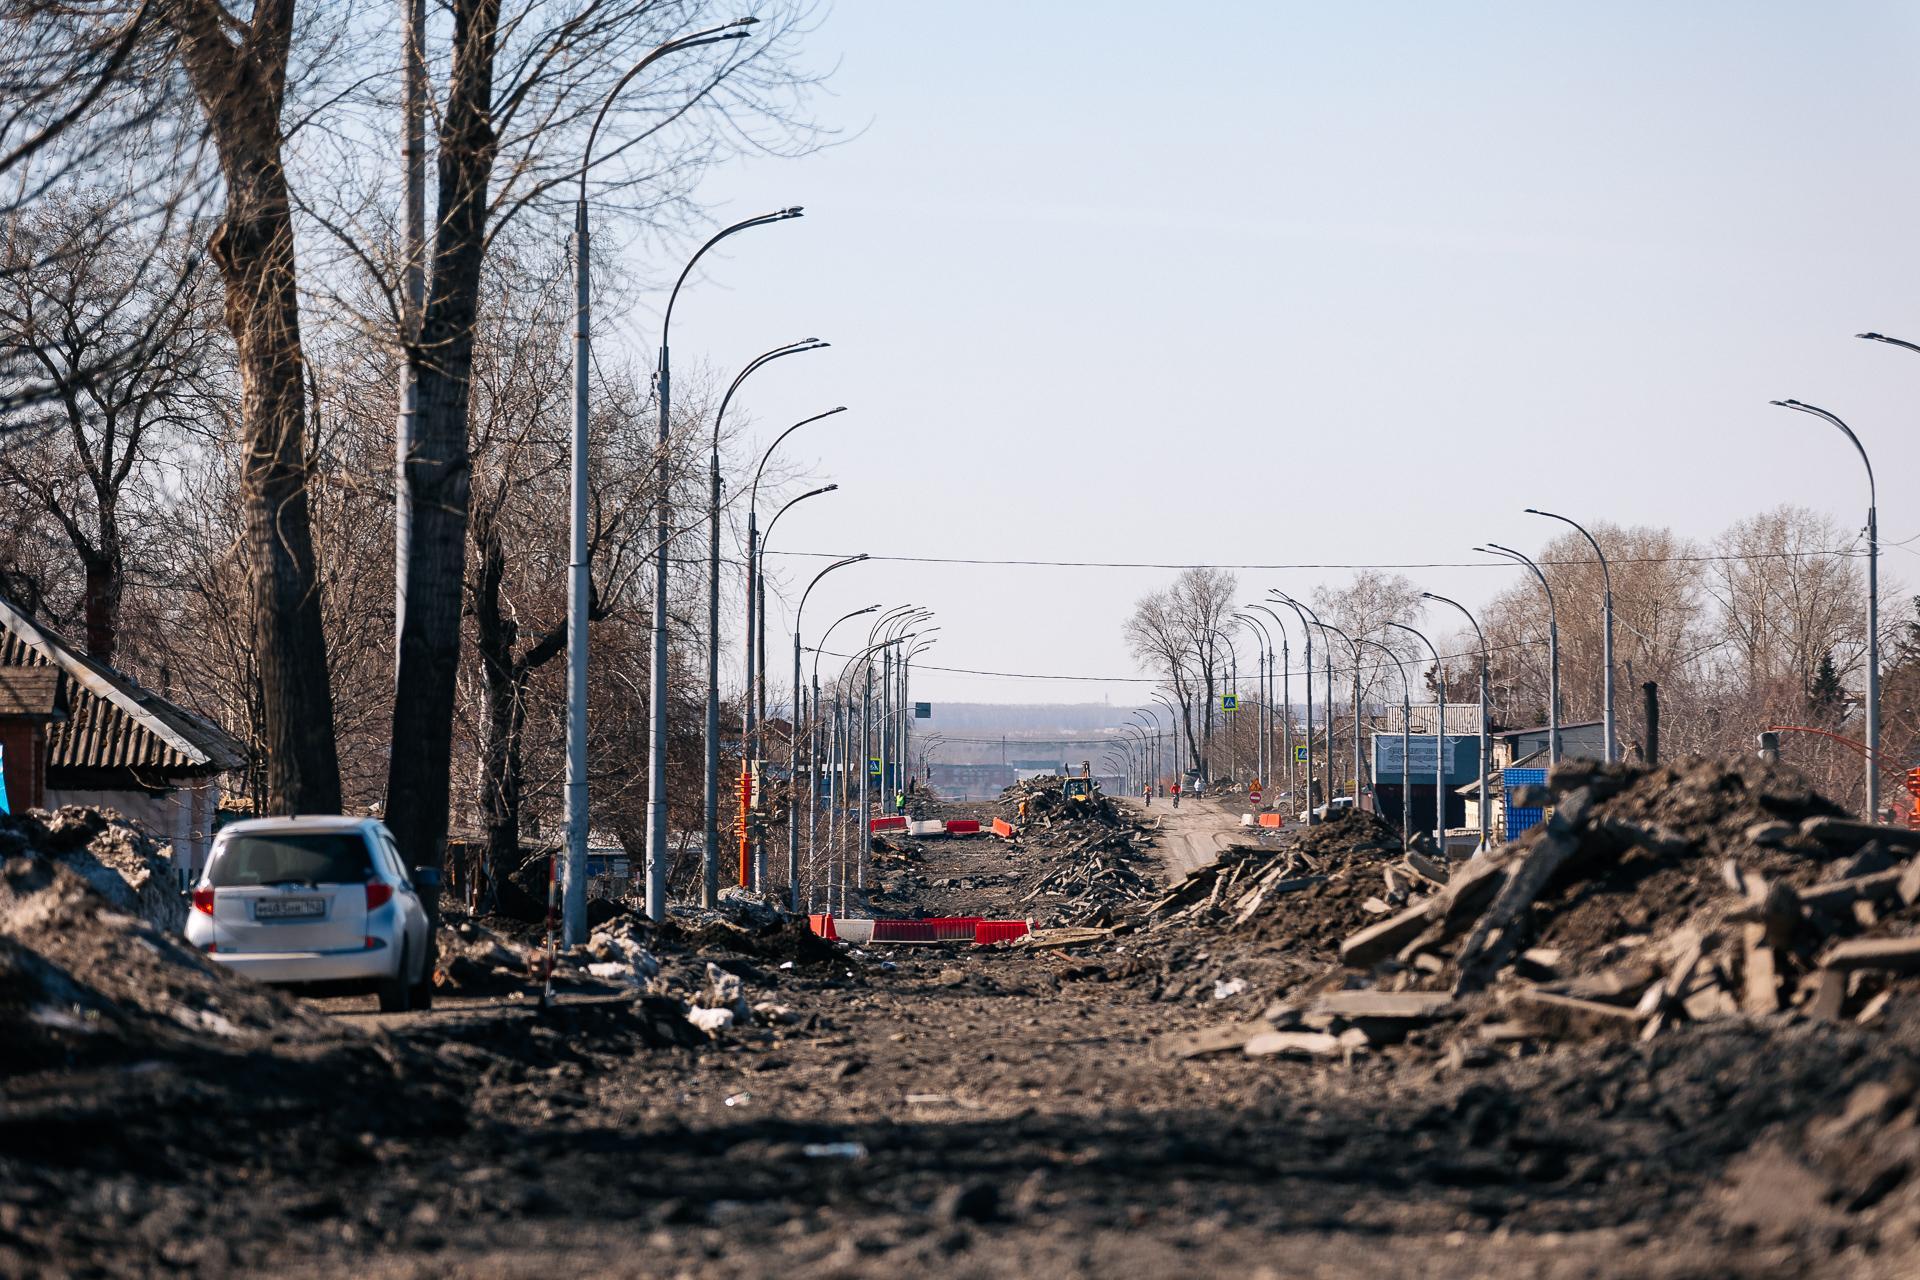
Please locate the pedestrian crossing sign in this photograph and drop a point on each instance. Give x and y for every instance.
(1229, 702)
(873, 766)
(1300, 755)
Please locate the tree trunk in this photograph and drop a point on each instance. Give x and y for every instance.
(439, 476)
(242, 91)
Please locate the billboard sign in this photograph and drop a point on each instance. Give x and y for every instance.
(1463, 751)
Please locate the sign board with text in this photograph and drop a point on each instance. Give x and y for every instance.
(1462, 763)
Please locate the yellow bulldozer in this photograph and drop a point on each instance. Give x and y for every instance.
(1075, 790)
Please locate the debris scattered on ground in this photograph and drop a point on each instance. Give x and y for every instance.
(475, 959)
(1649, 899)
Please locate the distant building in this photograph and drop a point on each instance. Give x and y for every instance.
(75, 731)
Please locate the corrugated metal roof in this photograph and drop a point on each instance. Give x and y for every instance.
(113, 723)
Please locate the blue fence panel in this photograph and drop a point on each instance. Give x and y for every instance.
(1519, 820)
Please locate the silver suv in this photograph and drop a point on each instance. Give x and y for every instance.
(317, 900)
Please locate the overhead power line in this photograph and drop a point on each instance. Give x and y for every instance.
(1847, 552)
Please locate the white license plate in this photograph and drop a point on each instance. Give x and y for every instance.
(289, 908)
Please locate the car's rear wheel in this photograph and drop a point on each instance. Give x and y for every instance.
(396, 993)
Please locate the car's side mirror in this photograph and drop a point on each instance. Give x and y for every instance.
(426, 879)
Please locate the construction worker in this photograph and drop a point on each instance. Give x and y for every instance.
(899, 802)
(1023, 809)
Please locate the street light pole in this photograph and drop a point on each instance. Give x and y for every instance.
(1553, 648)
(710, 855)
(1439, 739)
(1326, 659)
(1265, 752)
(1173, 731)
(793, 741)
(1307, 631)
(574, 902)
(1606, 638)
(759, 641)
(1873, 597)
(1406, 746)
(1486, 800)
(836, 785)
(1286, 693)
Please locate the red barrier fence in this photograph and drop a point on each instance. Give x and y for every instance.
(893, 822)
(972, 929)
(963, 826)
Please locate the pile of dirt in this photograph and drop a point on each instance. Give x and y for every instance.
(1350, 835)
(83, 981)
(124, 864)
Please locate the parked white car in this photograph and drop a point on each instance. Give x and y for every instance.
(317, 900)
(1326, 810)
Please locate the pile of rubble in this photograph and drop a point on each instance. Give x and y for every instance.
(1045, 803)
(1650, 898)
(1096, 871)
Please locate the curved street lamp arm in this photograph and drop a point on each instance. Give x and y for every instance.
(811, 493)
(1872, 495)
(791, 349)
(1606, 572)
(1495, 549)
(778, 215)
(837, 564)
(712, 35)
(753, 498)
(1428, 595)
(828, 633)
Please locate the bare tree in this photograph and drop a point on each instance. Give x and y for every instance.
(132, 364)
(1177, 633)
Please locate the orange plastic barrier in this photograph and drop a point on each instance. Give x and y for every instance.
(1003, 829)
(822, 925)
(963, 826)
(894, 822)
(1269, 819)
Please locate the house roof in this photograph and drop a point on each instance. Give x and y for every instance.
(112, 723)
(1541, 728)
(32, 692)
(1462, 717)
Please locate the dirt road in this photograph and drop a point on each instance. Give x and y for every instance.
(1192, 835)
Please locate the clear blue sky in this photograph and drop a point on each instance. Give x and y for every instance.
(1299, 282)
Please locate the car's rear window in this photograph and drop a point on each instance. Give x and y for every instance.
(308, 857)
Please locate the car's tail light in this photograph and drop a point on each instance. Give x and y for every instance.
(203, 900)
(378, 894)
